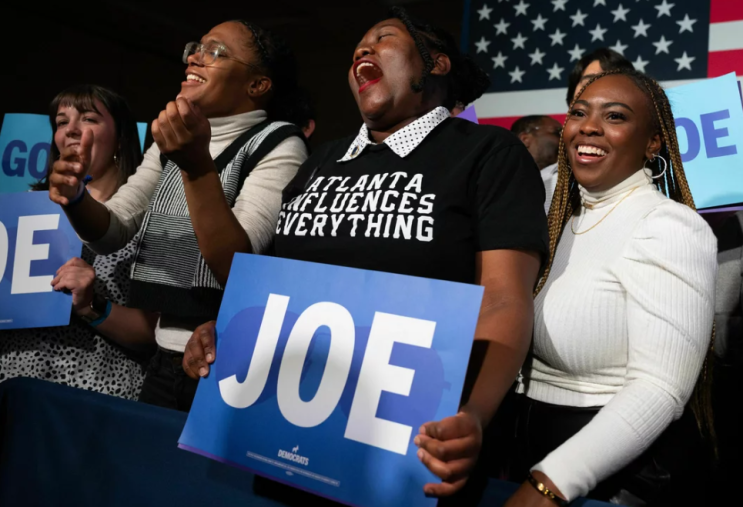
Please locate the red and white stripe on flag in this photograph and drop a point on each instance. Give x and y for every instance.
(725, 55)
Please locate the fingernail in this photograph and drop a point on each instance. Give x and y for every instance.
(417, 441)
(422, 430)
(420, 453)
(203, 371)
(209, 357)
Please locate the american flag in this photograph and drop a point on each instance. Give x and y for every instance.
(529, 47)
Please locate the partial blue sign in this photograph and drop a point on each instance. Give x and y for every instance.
(24, 150)
(469, 114)
(35, 240)
(324, 375)
(709, 126)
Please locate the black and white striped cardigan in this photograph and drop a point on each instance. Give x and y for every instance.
(169, 274)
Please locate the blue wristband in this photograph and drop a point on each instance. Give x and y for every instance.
(80, 191)
(103, 317)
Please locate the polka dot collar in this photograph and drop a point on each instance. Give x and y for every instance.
(404, 140)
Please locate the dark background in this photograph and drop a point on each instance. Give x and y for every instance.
(135, 48)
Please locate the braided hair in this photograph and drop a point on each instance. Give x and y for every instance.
(277, 61)
(465, 82)
(566, 201)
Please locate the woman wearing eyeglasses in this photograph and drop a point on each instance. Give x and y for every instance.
(210, 187)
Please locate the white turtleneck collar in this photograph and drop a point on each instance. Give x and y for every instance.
(229, 125)
(227, 129)
(595, 200)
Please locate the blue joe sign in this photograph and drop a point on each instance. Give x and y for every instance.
(324, 375)
(25, 148)
(709, 125)
(35, 240)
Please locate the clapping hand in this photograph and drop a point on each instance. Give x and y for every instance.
(183, 134)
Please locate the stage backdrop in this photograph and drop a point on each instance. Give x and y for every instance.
(530, 48)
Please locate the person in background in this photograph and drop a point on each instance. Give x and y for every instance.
(102, 347)
(210, 187)
(623, 315)
(541, 136)
(458, 108)
(463, 203)
(591, 65)
(728, 368)
(305, 115)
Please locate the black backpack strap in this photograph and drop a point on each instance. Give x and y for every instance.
(272, 140)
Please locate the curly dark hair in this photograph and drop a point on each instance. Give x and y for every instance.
(673, 183)
(465, 82)
(277, 60)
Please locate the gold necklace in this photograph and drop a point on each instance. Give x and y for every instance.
(572, 222)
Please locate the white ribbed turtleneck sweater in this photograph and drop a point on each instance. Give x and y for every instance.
(623, 322)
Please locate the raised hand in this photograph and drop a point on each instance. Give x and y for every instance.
(183, 133)
(69, 171)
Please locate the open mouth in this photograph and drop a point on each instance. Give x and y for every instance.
(588, 153)
(194, 79)
(366, 74)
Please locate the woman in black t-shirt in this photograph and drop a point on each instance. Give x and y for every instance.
(419, 193)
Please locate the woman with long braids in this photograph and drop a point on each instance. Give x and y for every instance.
(624, 312)
(419, 193)
(210, 187)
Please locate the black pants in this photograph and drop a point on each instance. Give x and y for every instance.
(674, 470)
(166, 384)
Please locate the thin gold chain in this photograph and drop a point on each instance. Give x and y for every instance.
(572, 222)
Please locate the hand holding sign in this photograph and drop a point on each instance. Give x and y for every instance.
(200, 351)
(182, 133)
(68, 172)
(449, 448)
(76, 276)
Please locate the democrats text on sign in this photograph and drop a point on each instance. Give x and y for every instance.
(35, 240)
(709, 125)
(25, 147)
(324, 375)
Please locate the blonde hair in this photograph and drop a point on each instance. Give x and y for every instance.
(673, 184)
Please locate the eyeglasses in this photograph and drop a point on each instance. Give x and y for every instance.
(208, 53)
(556, 132)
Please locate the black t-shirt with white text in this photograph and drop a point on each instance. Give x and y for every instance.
(466, 188)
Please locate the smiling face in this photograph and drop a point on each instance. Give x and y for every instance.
(223, 88)
(386, 64)
(70, 125)
(610, 133)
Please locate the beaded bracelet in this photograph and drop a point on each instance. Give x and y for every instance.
(546, 492)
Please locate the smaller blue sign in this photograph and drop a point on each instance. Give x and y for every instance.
(25, 147)
(35, 240)
(324, 374)
(709, 126)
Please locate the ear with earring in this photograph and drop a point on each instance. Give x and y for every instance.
(665, 165)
